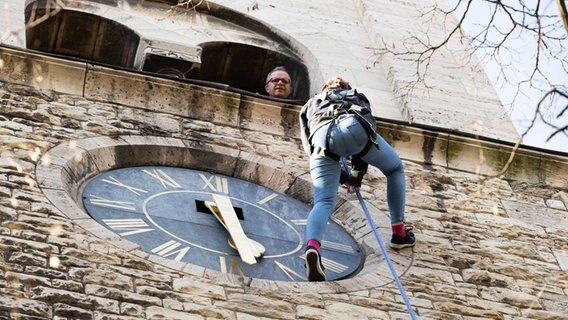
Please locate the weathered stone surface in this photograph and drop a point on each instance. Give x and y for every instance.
(91, 256)
(258, 306)
(515, 298)
(27, 259)
(541, 315)
(66, 311)
(131, 309)
(106, 316)
(80, 300)
(485, 278)
(162, 313)
(191, 286)
(121, 295)
(109, 279)
(453, 307)
(347, 311)
(208, 311)
(25, 306)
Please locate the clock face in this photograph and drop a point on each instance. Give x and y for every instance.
(164, 210)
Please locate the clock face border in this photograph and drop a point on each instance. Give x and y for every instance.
(162, 208)
(62, 172)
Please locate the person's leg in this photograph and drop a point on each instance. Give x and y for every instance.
(387, 160)
(325, 174)
(325, 179)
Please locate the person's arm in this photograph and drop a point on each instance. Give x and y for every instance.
(304, 129)
(358, 170)
(358, 166)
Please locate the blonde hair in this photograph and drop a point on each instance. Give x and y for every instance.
(337, 82)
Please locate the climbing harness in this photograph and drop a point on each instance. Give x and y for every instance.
(334, 106)
(382, 246)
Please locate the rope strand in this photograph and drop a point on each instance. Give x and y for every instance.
(381, 245)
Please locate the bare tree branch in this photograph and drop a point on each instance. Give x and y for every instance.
(503, 36)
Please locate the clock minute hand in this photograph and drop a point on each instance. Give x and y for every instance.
(235, 229)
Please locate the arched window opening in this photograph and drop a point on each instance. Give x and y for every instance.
(82, 35)
(245, 67)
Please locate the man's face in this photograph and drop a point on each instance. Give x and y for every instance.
(279, 85)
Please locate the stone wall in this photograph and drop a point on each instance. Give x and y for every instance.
(487, 248)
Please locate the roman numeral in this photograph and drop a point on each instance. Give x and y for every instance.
(168, 249)
(289, 272)
(114, 181)
(330, 265)
(102, 202)
(130, 226)
(233, 267)
(162, 177)
(300, 222)
(337, 246)
(266, 199)
(221, 183)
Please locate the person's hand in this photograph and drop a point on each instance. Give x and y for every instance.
(354, 180)
(343, 177)
(352, 189)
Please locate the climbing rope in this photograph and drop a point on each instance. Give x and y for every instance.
(382, 246)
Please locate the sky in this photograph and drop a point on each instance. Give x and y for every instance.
(520, 62)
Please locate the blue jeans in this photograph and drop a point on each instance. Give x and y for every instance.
(348, 137)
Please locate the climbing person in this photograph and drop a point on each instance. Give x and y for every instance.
(338, 123)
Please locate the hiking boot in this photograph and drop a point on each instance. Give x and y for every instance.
(314, 268)
(398, 242)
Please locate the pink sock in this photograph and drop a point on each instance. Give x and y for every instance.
(314, 243)
(399, 230)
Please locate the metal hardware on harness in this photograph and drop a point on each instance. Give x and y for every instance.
(325, 153)
(339, 110)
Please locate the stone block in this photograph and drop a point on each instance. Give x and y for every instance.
(554, 170)
(162, 95)
(555, 204)
(422, 146)
(562, 258)
(111, 294)
(487, 158)
(537, 215)
(41, 71)
(155, 312)
(194, 286)
(269, 173)
(268, 116)
(28, 307)
(258, 305)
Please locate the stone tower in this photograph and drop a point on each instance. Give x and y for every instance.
(117, 115)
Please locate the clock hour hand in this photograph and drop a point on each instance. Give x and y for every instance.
(235, 229)
(258, 248)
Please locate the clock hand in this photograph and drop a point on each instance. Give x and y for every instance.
(211, 206)
(235, 229)
(258, 248)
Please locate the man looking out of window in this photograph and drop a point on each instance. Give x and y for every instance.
(279, 83)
